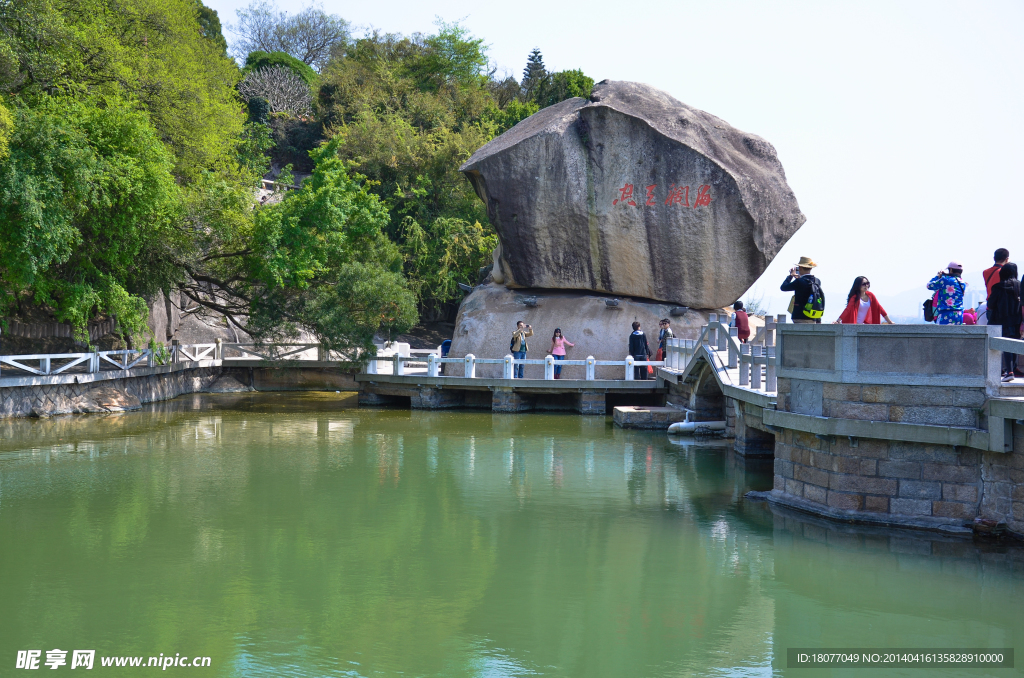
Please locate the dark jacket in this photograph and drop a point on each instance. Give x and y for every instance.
(801, 289)
(638, 345)
(1004, 304)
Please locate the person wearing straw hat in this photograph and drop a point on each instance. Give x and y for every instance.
(949, 300)
(808, 303)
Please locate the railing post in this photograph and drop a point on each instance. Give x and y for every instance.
(175, 344)
(755, 368)
(769, 332)
(44, 365)
(321, 354)
(712, 330)
(723, 337)
(744, 364)
(470, 366)
(507, 367)
(371, 366)
(771, 382)
(549, 367)
(399, 365)
(703, 336)
(733, 334)
(218, 349)
(782, 319)
(590, 368)
(431, 365)
(629, 368)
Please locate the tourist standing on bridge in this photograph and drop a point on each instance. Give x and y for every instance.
(991, 274)
(861, 306)
(1004, 309)
(519, 347)
(639, 349)
(664, 334)
(741, 322)
(558, 344)
(808, 303)
(949, 302)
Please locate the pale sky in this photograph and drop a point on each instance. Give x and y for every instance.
(898, 123)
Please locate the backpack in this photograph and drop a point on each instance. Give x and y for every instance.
(815, 306)
(929, 311)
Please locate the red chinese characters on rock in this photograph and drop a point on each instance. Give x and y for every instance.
(625, 196)
(677, 195)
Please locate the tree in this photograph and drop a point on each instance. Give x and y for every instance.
(319, 261)
(563, 85)
(311, 36)
(281, 87)
(209, 27)
(149, 52)
(534, 74)
(87, 197)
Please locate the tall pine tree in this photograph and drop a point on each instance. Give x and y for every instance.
(534, 74)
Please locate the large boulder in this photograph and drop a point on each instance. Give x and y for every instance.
(489, 314)
(634, 193)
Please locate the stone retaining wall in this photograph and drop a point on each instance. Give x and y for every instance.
(894, 482)
(109, 395)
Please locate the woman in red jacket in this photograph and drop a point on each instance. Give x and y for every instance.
(862, 306)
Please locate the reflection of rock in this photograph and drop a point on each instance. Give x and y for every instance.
(488, 317)
(556, 188)
(226, 383)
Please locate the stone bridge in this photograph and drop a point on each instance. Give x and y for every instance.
(905, 425)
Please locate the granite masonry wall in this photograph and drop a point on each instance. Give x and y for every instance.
(890, 481)
(108, 395)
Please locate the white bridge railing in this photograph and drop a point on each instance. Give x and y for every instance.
(399, 365)
(753, 360)
(50, 364)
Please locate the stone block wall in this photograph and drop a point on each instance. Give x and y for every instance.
(110, 395)
(899, 482)
(934, 405)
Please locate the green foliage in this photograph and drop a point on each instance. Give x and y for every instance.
(86, 198)
(563, 85)
(451, 57)
(259, 59)
(259, 110)
(252, 151)
(320, 260)
(152, 53)
(6, 129)
(450, 251)
(514, 113)
(210, 28)
(534, 74)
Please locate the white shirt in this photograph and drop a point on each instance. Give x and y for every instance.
(862, 312)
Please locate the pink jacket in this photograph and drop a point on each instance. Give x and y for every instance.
(558, 345)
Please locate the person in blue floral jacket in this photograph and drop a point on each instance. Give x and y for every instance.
(949, 298)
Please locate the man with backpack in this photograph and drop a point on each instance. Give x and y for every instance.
(519, 347)
(808, 303)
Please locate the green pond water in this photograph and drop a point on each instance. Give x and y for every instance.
(296, 535)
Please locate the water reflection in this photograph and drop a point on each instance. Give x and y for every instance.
(286, 535)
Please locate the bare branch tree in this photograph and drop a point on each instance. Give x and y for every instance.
(281, 87)
(311, 36)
